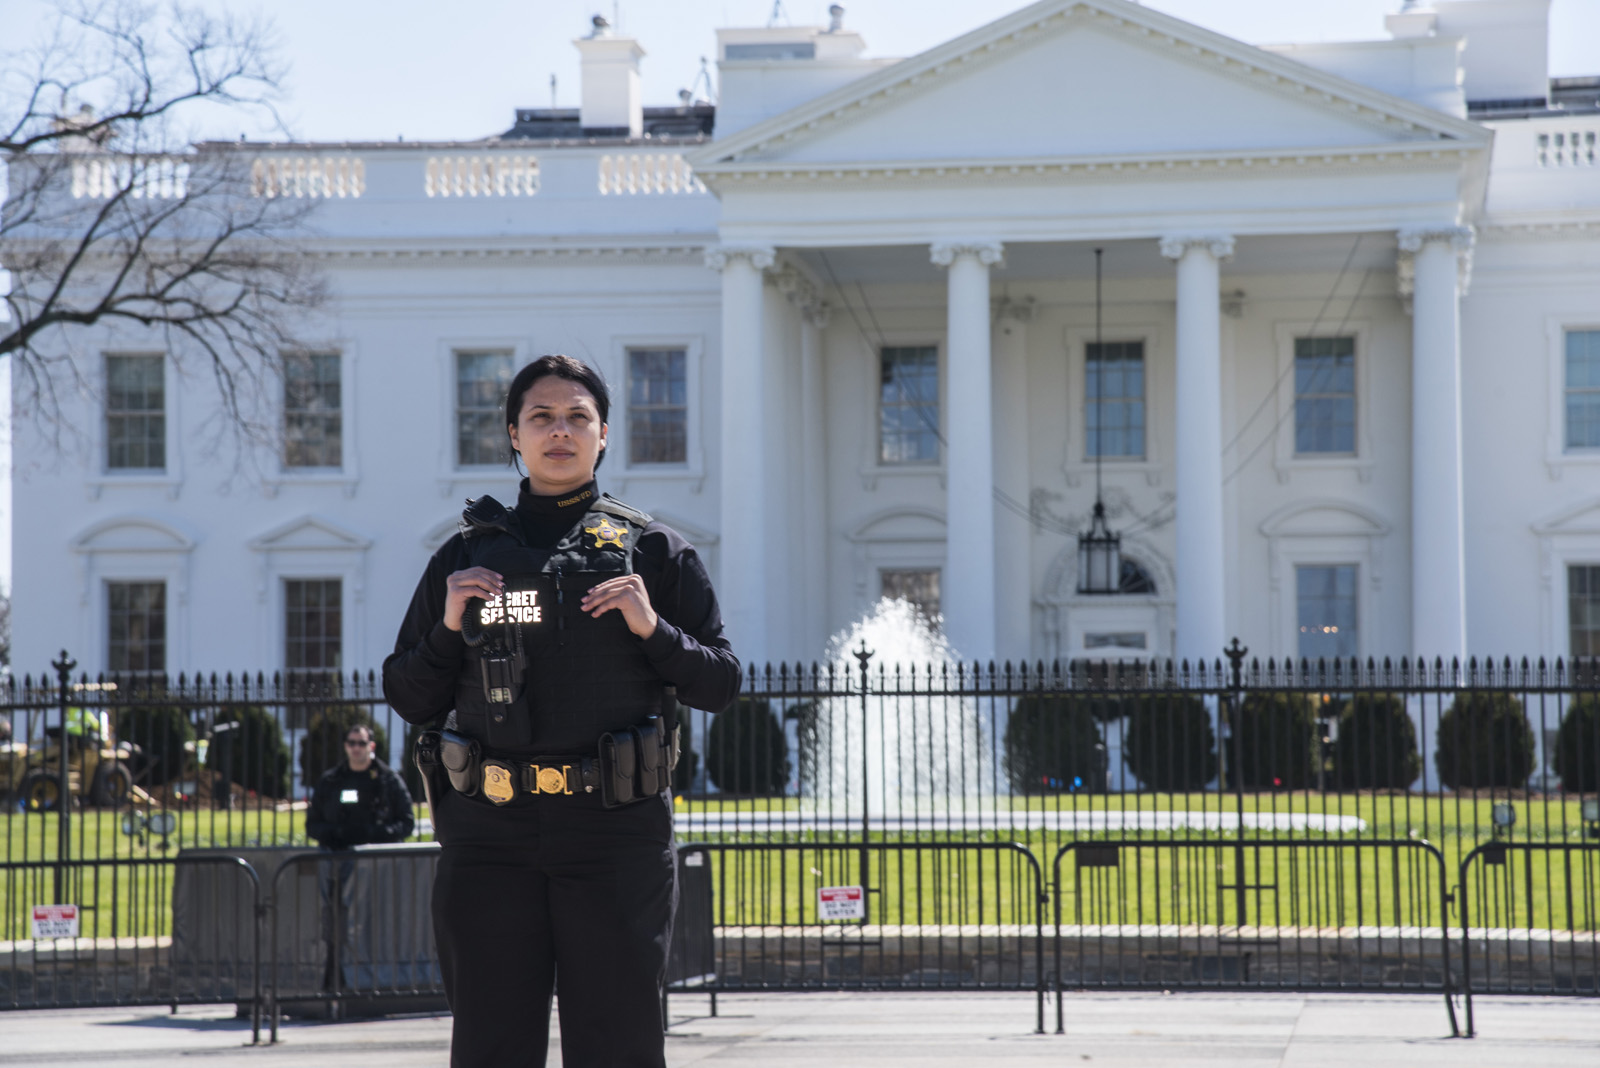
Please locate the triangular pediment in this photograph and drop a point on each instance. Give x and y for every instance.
(309, 533)
(1581, 518)
(1084, 79)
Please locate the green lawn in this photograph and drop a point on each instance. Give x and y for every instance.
(1168, 876)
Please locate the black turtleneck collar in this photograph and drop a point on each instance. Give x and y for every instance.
(545, 519)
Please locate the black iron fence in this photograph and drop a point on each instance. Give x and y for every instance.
(1234, 824)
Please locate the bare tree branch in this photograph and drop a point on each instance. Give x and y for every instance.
(114, 218)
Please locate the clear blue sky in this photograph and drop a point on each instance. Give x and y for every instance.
(365, 70)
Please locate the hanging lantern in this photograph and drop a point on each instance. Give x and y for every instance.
(1099, 551)
(1099, 556)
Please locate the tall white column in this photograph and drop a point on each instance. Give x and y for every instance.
(1437, 258)
(741, 584)
(1202, 610)
(1013, 532)
(967, 589)
(814, 478)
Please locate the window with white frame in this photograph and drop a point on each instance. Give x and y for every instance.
(1326, 607)
(313, 624)
(482, 379)
(917, 586)
(908, 405)
(136, 627)
(658, 406)
(136, 413)
(313, 425)
(1324, 395)
(1583, 609)
(1114, 399)
(1583, 389)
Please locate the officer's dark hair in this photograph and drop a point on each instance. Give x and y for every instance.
(572, 370)
(359, 727)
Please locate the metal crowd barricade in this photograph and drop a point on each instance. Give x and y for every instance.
(372, 939)
(936, 916)
(1219, 914)
(126, 952)
(1537, 910)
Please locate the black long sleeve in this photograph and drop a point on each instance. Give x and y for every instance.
(688, 647)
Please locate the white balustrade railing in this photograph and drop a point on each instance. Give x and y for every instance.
(148, 177)
(308, 176)
(500, 175)
(1569, 148)
(646, 173)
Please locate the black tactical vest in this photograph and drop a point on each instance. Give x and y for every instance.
(583, 676)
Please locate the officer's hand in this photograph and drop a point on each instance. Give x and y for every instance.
(625, 593)
(462, 586)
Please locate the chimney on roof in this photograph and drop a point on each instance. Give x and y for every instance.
(611, 100)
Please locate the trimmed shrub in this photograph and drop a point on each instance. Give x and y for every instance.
(1276, 739)
(1377, 744)
(1052, 745)
(161, 737)
(1578, 746)
(746, 752)
(323, 745)
(252, 752)
(1170, 744)
(1484, 740)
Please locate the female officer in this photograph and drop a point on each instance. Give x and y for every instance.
(549, 633)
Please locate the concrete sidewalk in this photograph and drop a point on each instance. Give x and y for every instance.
(892, 1030)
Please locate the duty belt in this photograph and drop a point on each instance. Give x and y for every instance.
(501, 780)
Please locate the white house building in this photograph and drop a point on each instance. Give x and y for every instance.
(1345, 397)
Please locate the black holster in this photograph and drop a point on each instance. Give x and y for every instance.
(461, 757)
(430, 768)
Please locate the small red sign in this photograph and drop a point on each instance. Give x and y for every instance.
(841, 903)
(55, 921)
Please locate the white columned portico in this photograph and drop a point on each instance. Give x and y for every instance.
(1439, 258)
(1202, 611)
(742, 583)
(968, 586)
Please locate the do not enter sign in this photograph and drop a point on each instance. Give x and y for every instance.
(55, 921)
(841, 903)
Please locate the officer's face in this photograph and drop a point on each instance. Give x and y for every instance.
(559, 435)
(358, 750)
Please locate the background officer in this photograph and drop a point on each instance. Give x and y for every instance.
(360, 800)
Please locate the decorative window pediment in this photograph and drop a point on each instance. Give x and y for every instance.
(132, 534)
(309, 533)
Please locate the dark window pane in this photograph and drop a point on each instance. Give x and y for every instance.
(908, 405)
(482, 379)
(1326, 598)
(1583, 609)
(136, 618)
(1325, 395)
(312, 624)
(1583, 389)
(658, 408)
(313, 420)
(1114, 392)
(919, 586)
(136, 422)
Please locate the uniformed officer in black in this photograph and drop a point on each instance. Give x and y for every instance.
(582, 610)
(360, 800)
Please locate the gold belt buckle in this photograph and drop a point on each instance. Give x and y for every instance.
(498, 784)
(551, 779)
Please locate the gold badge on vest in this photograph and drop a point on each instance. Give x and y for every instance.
(606, 534)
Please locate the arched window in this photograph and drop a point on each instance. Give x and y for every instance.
(1134, 578)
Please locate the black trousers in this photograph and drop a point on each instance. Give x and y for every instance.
(554, 894)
